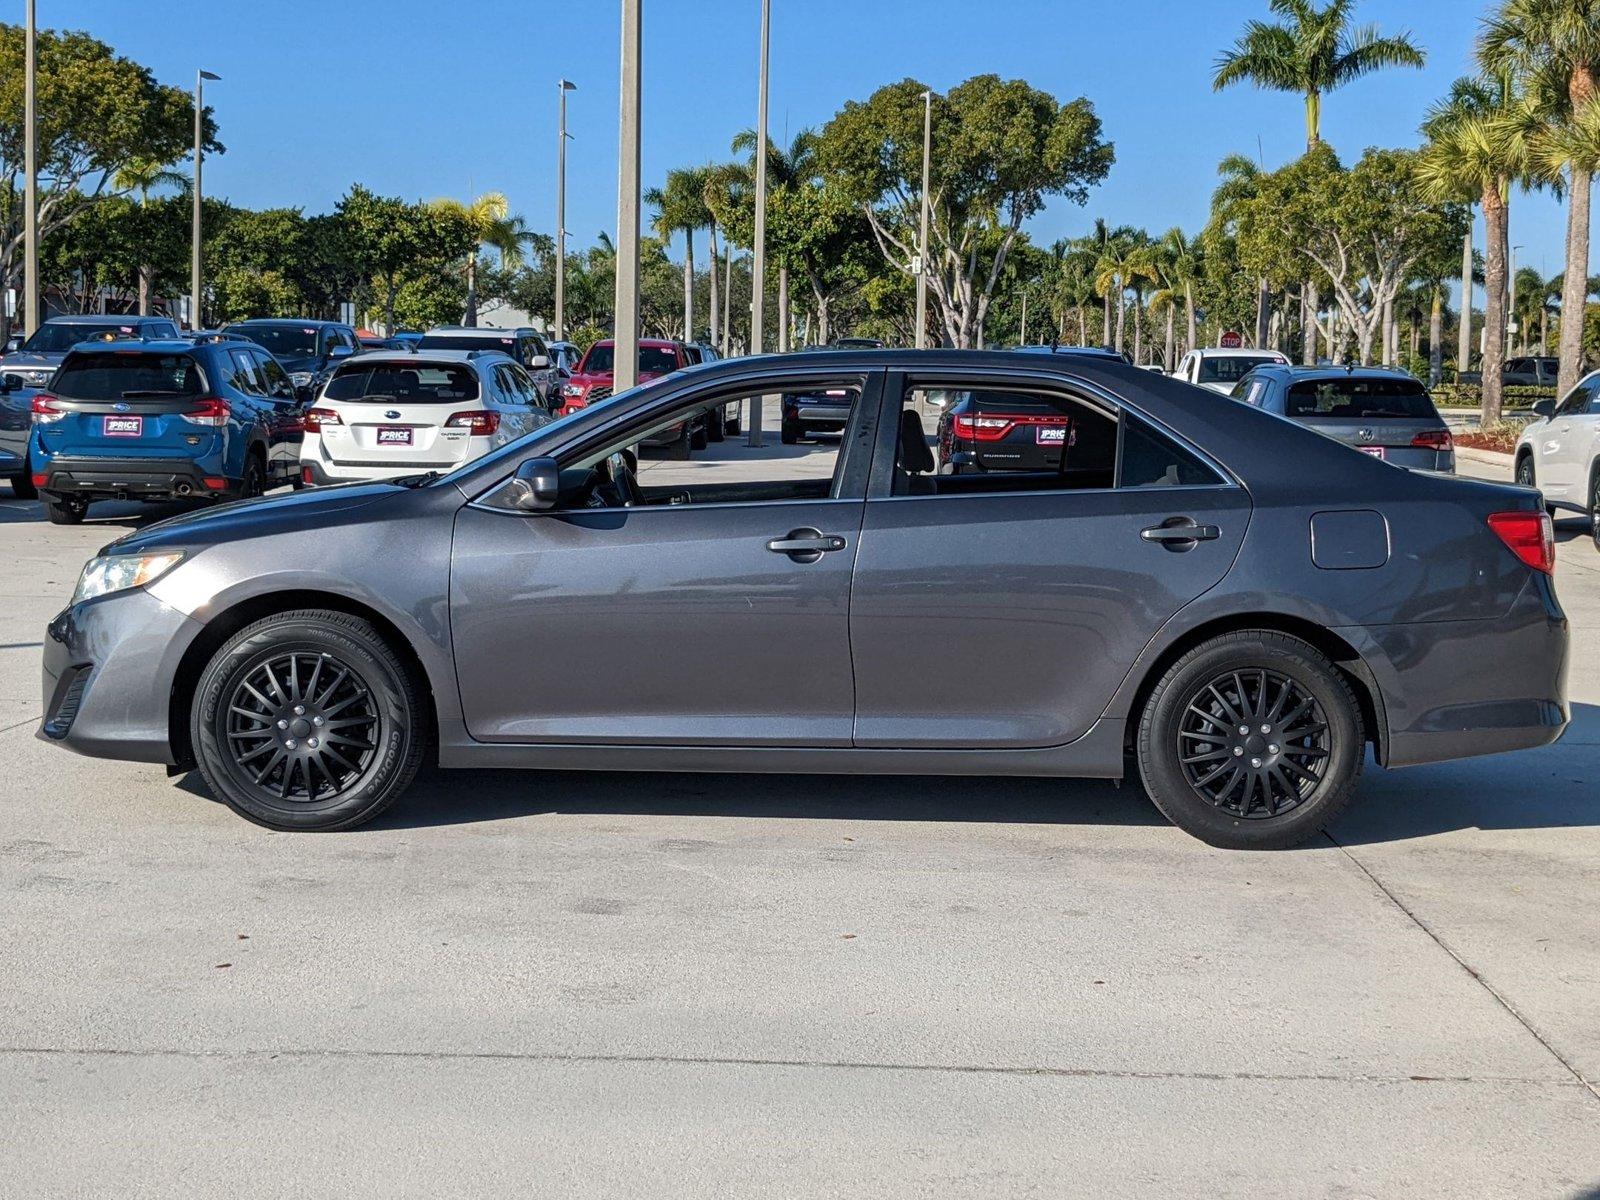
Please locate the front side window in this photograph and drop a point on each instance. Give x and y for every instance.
(1577, 400)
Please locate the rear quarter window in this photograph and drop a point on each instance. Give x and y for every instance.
(1359, 399)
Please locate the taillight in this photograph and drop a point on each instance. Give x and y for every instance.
(316, 418)
(1434, 439)
(991, 427)
(480, 422)
(211, 411)
(44, 409)
(1528, 535)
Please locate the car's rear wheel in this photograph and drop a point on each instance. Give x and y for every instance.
(254, 482)
(1252, 740)
(1594, 504)
(22, 486)
(698, 435)
(308, 720)
(789, 433)
(65, 510)
(714, 429)
(732, 426)
(681, 446)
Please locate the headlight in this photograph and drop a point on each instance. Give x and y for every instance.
(118, 572)
(36, 378)
(572, 389)
(300, 378)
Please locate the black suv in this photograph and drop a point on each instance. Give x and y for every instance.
(307, 349)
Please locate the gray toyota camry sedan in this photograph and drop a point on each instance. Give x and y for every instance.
(1086, 570)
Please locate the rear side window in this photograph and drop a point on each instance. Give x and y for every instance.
(1151, 459)
(403, 383)
(112, 376)
(1360, 399)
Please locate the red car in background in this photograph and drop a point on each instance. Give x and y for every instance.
(593, 380)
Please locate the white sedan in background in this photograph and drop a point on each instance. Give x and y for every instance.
(386, 415)
(1559, 451)
(1217, 370)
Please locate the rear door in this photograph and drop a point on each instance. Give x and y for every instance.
(128, 404)
(283, 414)
(1003, 610)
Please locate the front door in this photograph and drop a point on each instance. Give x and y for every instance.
(1563, 442)
(699, 602)
(1003, 607)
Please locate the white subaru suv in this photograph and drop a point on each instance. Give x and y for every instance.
(390, 414)
(1559, 451)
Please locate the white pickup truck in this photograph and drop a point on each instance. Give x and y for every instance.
(1218, 370)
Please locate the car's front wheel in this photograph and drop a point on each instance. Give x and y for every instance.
(1594, 504)
(1252, 740)
(308, 720)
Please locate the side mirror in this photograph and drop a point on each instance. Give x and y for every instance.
(339, 352)
(538, 362)
(536, 485)
(1544, 409)
(10, 382)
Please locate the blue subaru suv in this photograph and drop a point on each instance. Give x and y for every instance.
(138, 420)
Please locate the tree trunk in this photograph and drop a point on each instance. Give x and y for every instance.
(1105, 337)
(1386, 318)
(1122, 315)
(1169, 357)
(1494, 305)
(1138, 329)
(714, 314)
(1308, 339)
(688, 285)
(1544, 328)
(727, 302)
(471, 317)
(1436, 338)
(1188, 305)
(388, 306)
(146, 286)
(1575, 284)
(783, 309)
(1464, 325)
(1263, 307)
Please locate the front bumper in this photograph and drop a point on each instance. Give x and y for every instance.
(109, 668)
(1459, 689)
(131, 478)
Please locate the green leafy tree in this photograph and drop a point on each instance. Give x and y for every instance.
(393, 242)
(144, 175)
(1312, 52)
(490, 222)
(99, 114)
(1000, 148)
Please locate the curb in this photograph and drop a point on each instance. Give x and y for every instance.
(1493, 458)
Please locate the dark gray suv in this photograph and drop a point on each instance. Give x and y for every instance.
(1233, 604)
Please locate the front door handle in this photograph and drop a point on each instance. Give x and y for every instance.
(1180, 533)
(806, 545)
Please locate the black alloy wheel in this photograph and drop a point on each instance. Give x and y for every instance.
(1253, 743)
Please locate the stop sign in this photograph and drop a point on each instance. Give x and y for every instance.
(1231, 340)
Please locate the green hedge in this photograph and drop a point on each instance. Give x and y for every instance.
(1470, 395)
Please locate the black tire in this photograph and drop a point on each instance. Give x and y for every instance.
(698, 435)
(381, 738)
(789, 434)
(65, 510)
(680, 446)
(1594, 504)
(254, 482)
(714, 427)
(732, 427)
(22, 486)
(1524, 474)
(1294, 782)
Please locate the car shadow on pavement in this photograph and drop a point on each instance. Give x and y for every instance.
(107, 514)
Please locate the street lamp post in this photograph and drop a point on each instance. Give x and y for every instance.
(562, 88)
(30, 236)
(1511, 301)
(758, 265)
(922, 240)
(625, 361)
(200, 78)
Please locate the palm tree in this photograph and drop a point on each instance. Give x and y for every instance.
(1181, 263)
(143, 176)
(1313, 52)
(681, 206)
(1555, 46)
(1241, 179)
(492, 223)
(786, 170)
(723, 187)
(1478, 140)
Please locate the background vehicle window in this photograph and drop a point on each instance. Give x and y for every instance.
(1577, 400)
(92, 376)
(1229, 367)
(1356, 397)
(407, 383)
(277, 379)
(242, 375)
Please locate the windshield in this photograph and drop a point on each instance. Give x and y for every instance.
(1362, 399)
(1232, 367)
(286, 341)
(655, 360)
(403, 383)
(56, 339)
(111, 376)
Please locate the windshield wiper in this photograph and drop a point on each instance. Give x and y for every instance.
(416, 481)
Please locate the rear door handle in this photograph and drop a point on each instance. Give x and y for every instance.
(806, 545)
(1178, 531)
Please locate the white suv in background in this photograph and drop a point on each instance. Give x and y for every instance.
(384, 415)
(1217, 370)
(1559, 451)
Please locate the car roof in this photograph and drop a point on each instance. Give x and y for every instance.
(654, 343)
(479, 330)
(140, 346)
(415, 358)
(103, 319)
(1237, 351)
(1095, 351)
(259, 321)
(1295, 373)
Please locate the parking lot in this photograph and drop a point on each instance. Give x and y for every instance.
(695, 985)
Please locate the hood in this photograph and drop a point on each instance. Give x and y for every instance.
(19, 359)
(299, 364)
(1221, 389)
(590, 378)
(252, 518)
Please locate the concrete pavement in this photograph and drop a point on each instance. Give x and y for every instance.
(689, 985)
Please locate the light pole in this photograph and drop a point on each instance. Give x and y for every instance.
(30, 249)
(562, 88)
(927, 204)
(200, 78)
(625, 359)
(1511, 301)
(758, 266)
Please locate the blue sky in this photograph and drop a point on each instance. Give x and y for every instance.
(422, 99)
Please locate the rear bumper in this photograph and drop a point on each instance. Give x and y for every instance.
(318, 467)
(109, 667)
(132, 478)
(1459, 689)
